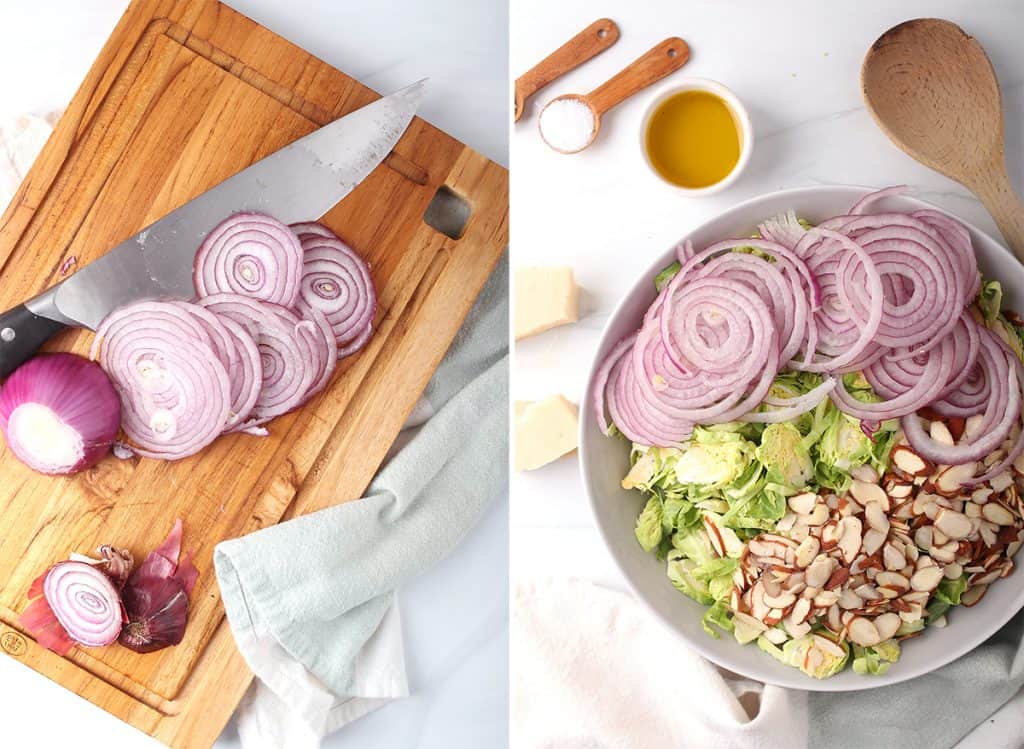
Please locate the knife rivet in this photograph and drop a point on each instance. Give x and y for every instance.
(7, 335)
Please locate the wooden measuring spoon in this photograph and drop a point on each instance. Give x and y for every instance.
(589, 43)
(932, 90)
(650, 67)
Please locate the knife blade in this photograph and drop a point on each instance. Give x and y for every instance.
(299, 182)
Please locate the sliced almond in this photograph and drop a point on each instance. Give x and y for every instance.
(865, 493)
(927, 578)
(893, 580)
(818, 515)
(951, 479)
(1001, 483)
(850, 541)
(838, 578)
(954, 524)
(909, 462)
(876, 518)
(795, 629)
(941, 434)
(807, 551)
(781, 601)
(831, 532)
(801, 610)
(850, 600)
(749, 621)
(972, 595)
(826, 598)
(887, 625)
(980, 496)
(996, 513)
(803, 504)
(953, 571)
(819, 571)
(834, 618)
(900, 491)
(893, 558)
(868, 592)
(863, 632)
(873, 540)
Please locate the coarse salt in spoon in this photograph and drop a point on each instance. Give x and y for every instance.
(571, 122)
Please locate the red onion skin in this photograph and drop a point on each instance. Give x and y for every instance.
(156, 597)
(78, 392)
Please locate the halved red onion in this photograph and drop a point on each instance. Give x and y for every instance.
(250, 254)
(288, 367)
(337, 282)
(59, 413)
(73, 603)
(175, 390)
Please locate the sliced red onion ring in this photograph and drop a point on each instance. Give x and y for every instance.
(290, 368)
(842, 336)
(784, 409)
(862, 205)
(337, 282)
(237, 350)
(250, 254)
(884, 294)
(174, 388)
(312, 228)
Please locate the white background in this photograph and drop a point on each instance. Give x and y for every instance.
(455, 616)
(796, 67)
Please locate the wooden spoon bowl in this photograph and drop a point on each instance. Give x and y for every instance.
(932, 89)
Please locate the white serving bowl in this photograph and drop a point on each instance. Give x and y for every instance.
(604, 461)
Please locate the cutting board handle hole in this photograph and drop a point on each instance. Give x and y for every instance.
(448, 213)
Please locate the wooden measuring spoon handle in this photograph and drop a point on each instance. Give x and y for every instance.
(590, 42)
(997, 194)
(650, 67)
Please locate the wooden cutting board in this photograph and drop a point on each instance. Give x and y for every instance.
(183, 95)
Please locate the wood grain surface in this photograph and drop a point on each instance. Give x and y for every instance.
(183, 95)
(932, 89)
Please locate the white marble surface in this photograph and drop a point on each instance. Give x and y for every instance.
(796, 67)
(455, 615)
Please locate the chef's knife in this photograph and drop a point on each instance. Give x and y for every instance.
(300, 182)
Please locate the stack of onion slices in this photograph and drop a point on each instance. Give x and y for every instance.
(886, 294)
(274, 314)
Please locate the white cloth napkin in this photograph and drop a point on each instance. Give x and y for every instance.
(593, 669)
(21, 140)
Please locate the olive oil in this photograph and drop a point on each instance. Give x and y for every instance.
(693, 139)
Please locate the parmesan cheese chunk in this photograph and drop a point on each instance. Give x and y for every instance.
(545, 297)
(545, 431)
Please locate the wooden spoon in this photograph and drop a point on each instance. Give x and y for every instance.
(932, 90)
(650, 67)
(587, 44)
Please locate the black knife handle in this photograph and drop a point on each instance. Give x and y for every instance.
(22, 332)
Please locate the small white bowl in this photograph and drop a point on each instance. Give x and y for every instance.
(739, 113)
(604, 461)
